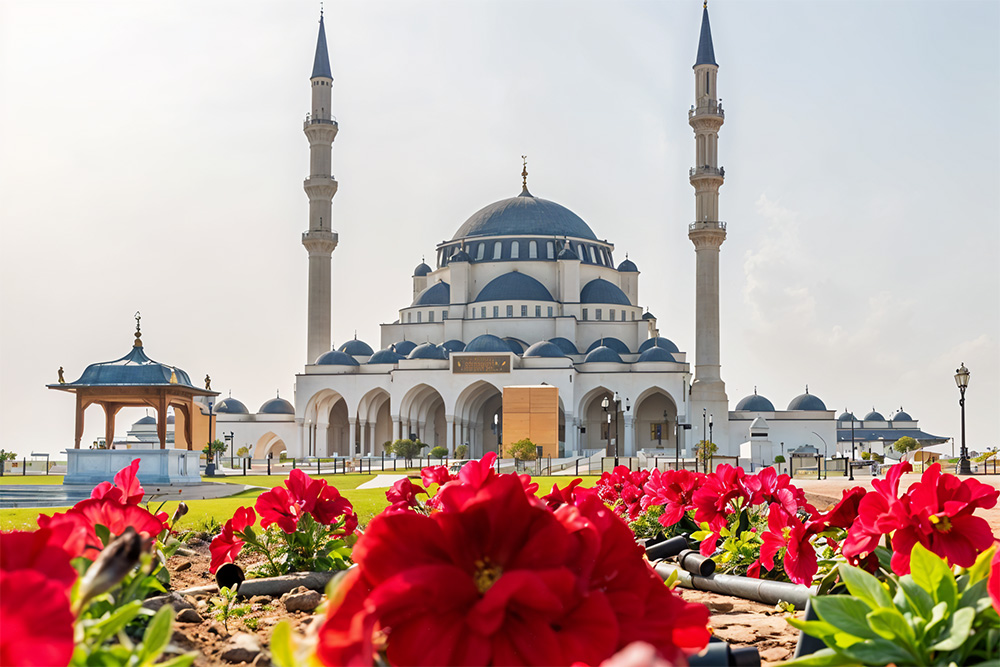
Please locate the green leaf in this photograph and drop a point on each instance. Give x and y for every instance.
(825, 657)
(103, 533)
(157, 635)
(919, 600)
(282, 649)
(890, 624)
(981, 568)
(958, 630)
(973, 594)
(864, 586)
(879, 652)
(939, 614)
(179, 661)
(819, 629)
(845, 613)
(932, 574)
(114, 622)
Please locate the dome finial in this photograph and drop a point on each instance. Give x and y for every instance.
(755, 390)
(807, 389)
(138, 332)
(524, 177)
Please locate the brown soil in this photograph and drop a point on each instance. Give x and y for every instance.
(737, 621)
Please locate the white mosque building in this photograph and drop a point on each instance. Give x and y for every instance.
(525, 293)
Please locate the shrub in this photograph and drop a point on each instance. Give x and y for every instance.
(406, 448)
(705, 450)
(522, 450)
(461, 451)
(779, 459)
(242, 451)
(905, 444)
(439, 452)
(866, 456)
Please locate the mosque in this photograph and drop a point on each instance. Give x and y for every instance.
(527, 294)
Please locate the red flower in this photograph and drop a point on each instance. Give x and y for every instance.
(36, 550)
(845, 513)
(784, 531)
(75, 528)
(562, 496)
(226, 546)
(403, 495)
(285, 506)
(473, 476)
(36, 624)
(126, 489)
(436, 475)
(879, 513)
(674, 490)
(941, 507)
(768, 487)
(621, 490)
(719, 495)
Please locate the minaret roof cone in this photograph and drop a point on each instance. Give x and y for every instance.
(706, 53)
(321, 65)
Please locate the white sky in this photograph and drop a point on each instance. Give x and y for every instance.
(151, 158)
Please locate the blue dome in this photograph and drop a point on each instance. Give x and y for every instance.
(386, 356)
(145, 420)
(487, 343)
(421, 270)
(656, 354)
(658, 341)
(874, 416)
(613, 343)
(602, 291)
(514, 286)
(453, 345)
(459, 256)
(525, 214)
(135, 368)
(902, 416)
(628, 266)
(356, 348)
(648, 316)
(565, 345)
(544, 348)
(428, 351)
(403, 347)
(515, 345)
(846, 417)
(806, 401)
(438, 294)
(231, 406)
(603, 354)
(567, 253)
(277, 406)
(336, 358)
(170, 419)
(755, 403)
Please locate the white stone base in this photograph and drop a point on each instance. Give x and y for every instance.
(156, 466)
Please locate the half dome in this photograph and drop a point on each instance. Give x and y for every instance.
(656, 354)
(545, 348)
(356, 348)
(659, 341)
(566, 345)
(438, 294)
(525, 215)
(613, 343)
(453, 345)
(603, 354)
(403, 347)
(514, 286)
(277, 406)
(428, 351)
(600, 290)
(386, 356)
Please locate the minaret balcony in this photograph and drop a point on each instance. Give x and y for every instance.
(706, 170)
(318, 121)
(707, 225)
(711, 109)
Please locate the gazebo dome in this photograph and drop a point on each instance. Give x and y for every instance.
(135, 368)
(807, 401)
(658, 341)
(403, 347)
(615, 344)
(277, 406)
(356, 348)
(386, 356)
(603, 354)
(656, 354)
(755, 403)
(231, 406)
(544, 348)
(336, 358)
(487, 343)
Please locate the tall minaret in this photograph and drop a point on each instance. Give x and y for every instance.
(321, 129)
(707, 232)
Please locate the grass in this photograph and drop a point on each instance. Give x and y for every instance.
(33, 480)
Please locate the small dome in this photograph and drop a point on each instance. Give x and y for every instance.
(807, 401)
(277, 406)
(356, 348)
(336, 358)
(438, 294)
(628, 266)
(648, 316)
(874, 416)
(514, 286)
(403, 347)
(603, 353)
(231, 406)
(386, 356)
(170, 419)
(145, 421)
(658, 341)
(459, 256)
(421, 270)
(755, 403)
(600, 290)
(544, 348)
(656, 354)
(428, 351)
(846, 416)
(515, 345)
(902, 416)
(453, 345)
(567, 253)
(613, 343)
(487, 343)
(565, 345)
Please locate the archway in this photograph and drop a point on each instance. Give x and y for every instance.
(422, 415)
(374, 425)
(655, 422)
(479, 414)
(594, 420)
(269, 443)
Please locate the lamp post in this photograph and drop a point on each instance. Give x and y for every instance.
(704, 429)
(659, 433)
(962, 380)
(498, 430)
(677, 442)
(228, 437)
(824, 455)
(616, 403)
(710, 442)
(850, 468)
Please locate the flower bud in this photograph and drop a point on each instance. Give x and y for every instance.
(111, 566)
(181, 510)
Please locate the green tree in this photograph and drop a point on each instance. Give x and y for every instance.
(406, 448)
(439, 452)
(905, 444)
(213, 448)
(6, 456)
(461, 451)
(704, 451)
(522, 450)
(242, 451)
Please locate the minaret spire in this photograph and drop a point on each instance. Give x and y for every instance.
(320, 241)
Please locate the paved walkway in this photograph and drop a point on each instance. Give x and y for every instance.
(64, 495)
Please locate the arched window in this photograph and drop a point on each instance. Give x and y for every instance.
(497, 249)
(515, 249)
(481, 250)
(550, 249)
(533, 250)
(593, 255)
(580, 253)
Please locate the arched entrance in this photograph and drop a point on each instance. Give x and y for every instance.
(479, 416)
(655, 422)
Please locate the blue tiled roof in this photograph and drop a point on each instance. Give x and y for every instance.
(889, 435)
(384, 357)
(514, 286)
(459, 256)
(544, 348)
(603, 291)
(487, 343)
(615, 344)
(658, 341)
(336, 358)
(231, 406)
(656, 354)
(525, 215)
(356, 348)
(648, 316)
(428, 351)
(277, 406)
(321, 64)
(567, 253)
(565, 345)
(755, 403)
(706, 52)
(421, 270)
(438, 294)
(145, 420)
(603, 354)
(806, 401)
(846, 416)
(135, 368)
(404, 347)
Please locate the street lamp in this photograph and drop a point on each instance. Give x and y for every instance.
(962, 380)
(498, 430)
(710, 440)
(607, 404)
(824, 454)
(677, 442)
(849, 466)
(704, 429)
(228, 437)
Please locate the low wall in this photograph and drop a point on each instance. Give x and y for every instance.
(156, 466)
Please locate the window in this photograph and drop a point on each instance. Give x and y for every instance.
(550, 311)
(482, 312)
(430, 316)
(593, 255)
(444, 314)
(524, 311)
(623, 315)
(409, 318)
(515, 249)
(633, 316)
(550, 249)
(480, 250)
(419, 317)
(598, 314)
(496, 311)
(533, 250)
(510, 311)
(497, 249)
(584, 314)
(538, 311)
(580, 253)
(473, 312)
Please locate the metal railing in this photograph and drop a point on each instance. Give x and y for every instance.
(318, 121)
(707, 110)
(707, 170)
(707, 224)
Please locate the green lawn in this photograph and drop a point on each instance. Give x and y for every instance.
(14, 478)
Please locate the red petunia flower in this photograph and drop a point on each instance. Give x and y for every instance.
(941, 508)
(436, 475)
(674, 490)
(784, 531)
(719, 495)
(879, 513)
(75, 528)
(285, 506)
(226, 546)
(562, 496)
(402, 495)
(126, 488)
(36, 550)
(473, 476)
(844, 513)
(36, 623)
(621, 490)
(767, 487)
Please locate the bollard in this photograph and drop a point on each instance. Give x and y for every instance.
(383, 460)
(394, 465)
(24, 467)
(293, 464)
(578, 467)
(244, 467)
(268, 466)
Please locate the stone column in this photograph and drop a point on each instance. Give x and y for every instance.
(629, 437)
(352, 433)
(449, 427)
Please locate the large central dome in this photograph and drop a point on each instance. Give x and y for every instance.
(525, 215)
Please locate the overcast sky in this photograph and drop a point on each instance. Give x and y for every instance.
(152, 157)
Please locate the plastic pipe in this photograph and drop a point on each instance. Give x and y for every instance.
(758, 590)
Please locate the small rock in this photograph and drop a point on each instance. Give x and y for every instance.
(179, 636)
(183, 565)
(301, 599)
(242, 647)
(175, 601)
(262, 660)
(196, 542)
(719, 606)
(189, 616)
(737, 634)
(260, 599)
(218, 628)
(776, 654)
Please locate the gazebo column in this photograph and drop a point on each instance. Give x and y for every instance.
(80, 407)
(161, 420)
(110, 410)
